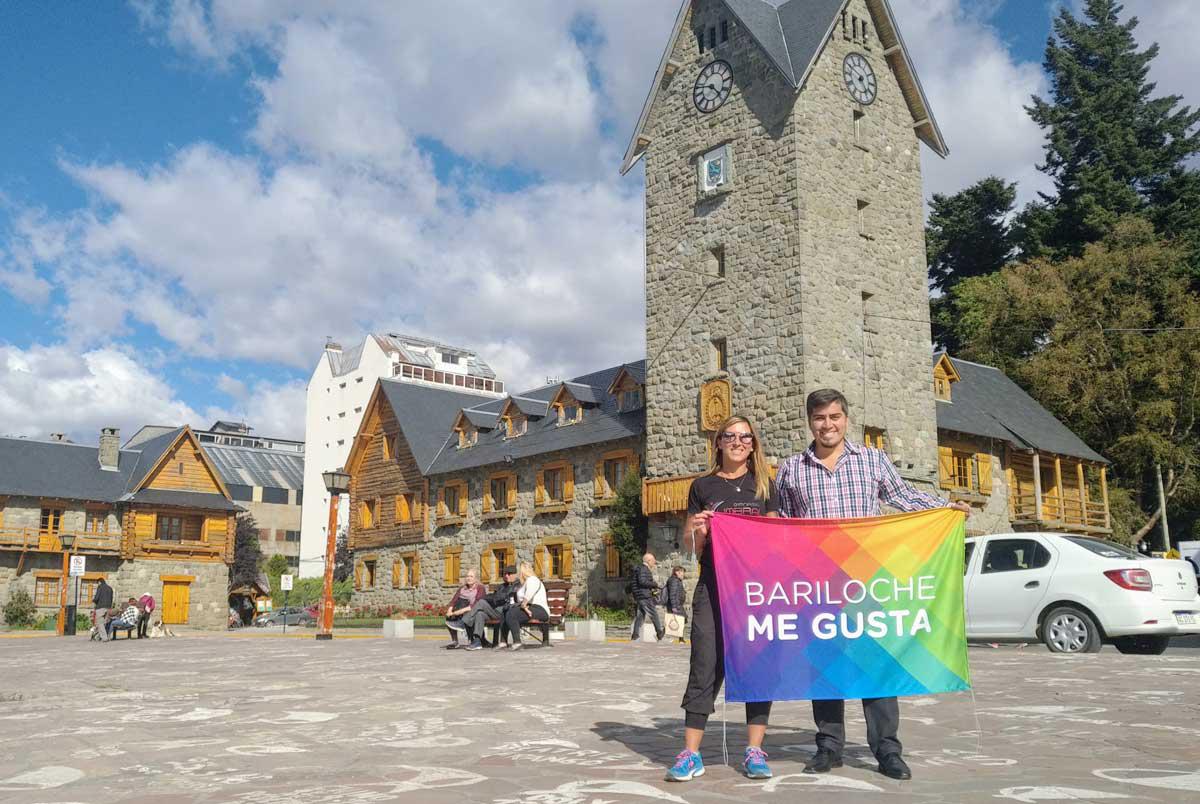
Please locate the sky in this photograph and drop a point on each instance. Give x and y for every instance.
(195, 195)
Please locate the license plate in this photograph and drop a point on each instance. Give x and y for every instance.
(1185, 617)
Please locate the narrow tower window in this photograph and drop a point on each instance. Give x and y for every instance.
(720, 354)
(724, 30)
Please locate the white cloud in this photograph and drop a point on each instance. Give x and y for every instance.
(272, 409)
(978, 92)
(1175, 26)
(46, 389)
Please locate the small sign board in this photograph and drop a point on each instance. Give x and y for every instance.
(78, 566)
(285, 583)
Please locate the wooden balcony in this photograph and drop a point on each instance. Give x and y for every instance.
(1043, 496)
(1059, 513)
(33, 539)
(666, 495)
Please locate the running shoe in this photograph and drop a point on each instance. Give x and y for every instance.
(688, 765)
(475, 645)
(457, 625)
(516, 646)
(755, 764)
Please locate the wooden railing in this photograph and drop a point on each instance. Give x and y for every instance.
(1065, 512)
(666, 495)
(35, 539)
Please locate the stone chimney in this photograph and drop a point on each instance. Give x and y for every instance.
(110, 448)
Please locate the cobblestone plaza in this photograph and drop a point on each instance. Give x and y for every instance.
(260, 719)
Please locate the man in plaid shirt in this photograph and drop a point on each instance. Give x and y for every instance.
(837, 479)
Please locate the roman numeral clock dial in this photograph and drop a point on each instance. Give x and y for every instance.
(713, 86)
(859, 78)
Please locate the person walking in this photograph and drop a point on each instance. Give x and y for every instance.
(738, 482)
(645, 589)
(838, 479)
(531, 603)
(145, 609)
(675, 596)
(102, 601)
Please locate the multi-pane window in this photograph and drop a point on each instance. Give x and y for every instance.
(569, 413)
(170, 528)
(46, 590)
(615, 470)
(450, 499)
(875, 437)
(87, 588)
(291, 535)
(368, 513)
(554, 561)
(368, 573)
(941, 387)
(451, 565)
(629, 399)
(405, 572)
(96, 521)
(51, 522)
(612, 559)
(498, 489)
(962, 476)
(553, 483)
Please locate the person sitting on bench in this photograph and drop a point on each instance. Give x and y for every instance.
(491, 607)
(126, 622)
(461, 604)
(531, 604)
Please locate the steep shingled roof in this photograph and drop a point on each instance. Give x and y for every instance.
(426, 415)
(601, 423)
(793, 33)
(985, 402)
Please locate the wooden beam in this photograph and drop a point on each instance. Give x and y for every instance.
(1083, 500)
(892, 50)
(924, 121)
(1104, 495)
(1037, 488)
(1058, 488)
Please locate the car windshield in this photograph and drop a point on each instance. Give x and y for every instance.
(1104, 549)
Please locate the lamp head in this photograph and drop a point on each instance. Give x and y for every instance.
(336, 481)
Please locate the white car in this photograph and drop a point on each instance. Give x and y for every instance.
(1076, 593)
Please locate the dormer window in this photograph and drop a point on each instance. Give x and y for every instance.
(630, 399)
(514, 425)
(944, 375)
(467, 437)
(568, 411)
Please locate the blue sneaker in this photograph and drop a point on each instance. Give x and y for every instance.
(755, 764)
(688, 765)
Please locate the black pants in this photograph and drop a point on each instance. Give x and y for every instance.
(644, 607)
(883, 721)
(707, 672)
(515, 617)
(143, 623)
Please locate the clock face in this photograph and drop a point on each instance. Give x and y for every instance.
(860, 78)
(713, 86)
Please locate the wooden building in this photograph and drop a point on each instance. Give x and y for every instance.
(152, 517)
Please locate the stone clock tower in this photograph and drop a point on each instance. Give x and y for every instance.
(785, 246)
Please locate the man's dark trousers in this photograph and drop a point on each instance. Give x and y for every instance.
(883, 721)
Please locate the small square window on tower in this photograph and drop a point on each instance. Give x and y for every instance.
(715, 171)
(716, 261)
(724, 30)
(720, 354)
(862, 218)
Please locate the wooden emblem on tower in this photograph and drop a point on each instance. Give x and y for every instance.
(716, 404)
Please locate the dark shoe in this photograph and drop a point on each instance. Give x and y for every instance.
(452, 646)
(475, 645)
(893, 767)
(823, 762)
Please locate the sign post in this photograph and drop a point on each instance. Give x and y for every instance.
(285, 583)
(78, 567)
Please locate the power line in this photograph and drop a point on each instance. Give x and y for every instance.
(1035, 329)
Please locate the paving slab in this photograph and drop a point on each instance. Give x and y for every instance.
(253, 719)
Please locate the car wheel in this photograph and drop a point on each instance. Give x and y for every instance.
(1143, 645)
(1069, 630)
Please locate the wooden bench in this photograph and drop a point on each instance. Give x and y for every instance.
(557, 595)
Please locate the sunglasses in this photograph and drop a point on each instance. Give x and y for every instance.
(729, 438)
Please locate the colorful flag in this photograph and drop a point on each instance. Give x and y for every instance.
(850, 608)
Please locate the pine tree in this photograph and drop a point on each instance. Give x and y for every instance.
(967, 235)
(1112, 147)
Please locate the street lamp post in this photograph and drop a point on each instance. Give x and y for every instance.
(68, 541)
(337, 483)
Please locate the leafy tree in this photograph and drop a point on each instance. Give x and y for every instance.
(19, 611)
(1112, 148)
(247, 552)
(627, 525)
(967, 235)
(1110, 343)
(276, 565)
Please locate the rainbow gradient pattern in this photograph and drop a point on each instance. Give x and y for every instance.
(827, 553)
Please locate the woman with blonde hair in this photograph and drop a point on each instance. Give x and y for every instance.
(738, 481)
(531, 604)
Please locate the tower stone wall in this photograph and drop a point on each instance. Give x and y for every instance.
(822, 232)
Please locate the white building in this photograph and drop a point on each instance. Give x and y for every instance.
(338, 391)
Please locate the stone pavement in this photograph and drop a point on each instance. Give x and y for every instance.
(256, 719)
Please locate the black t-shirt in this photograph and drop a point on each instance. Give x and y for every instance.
(712, 493)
